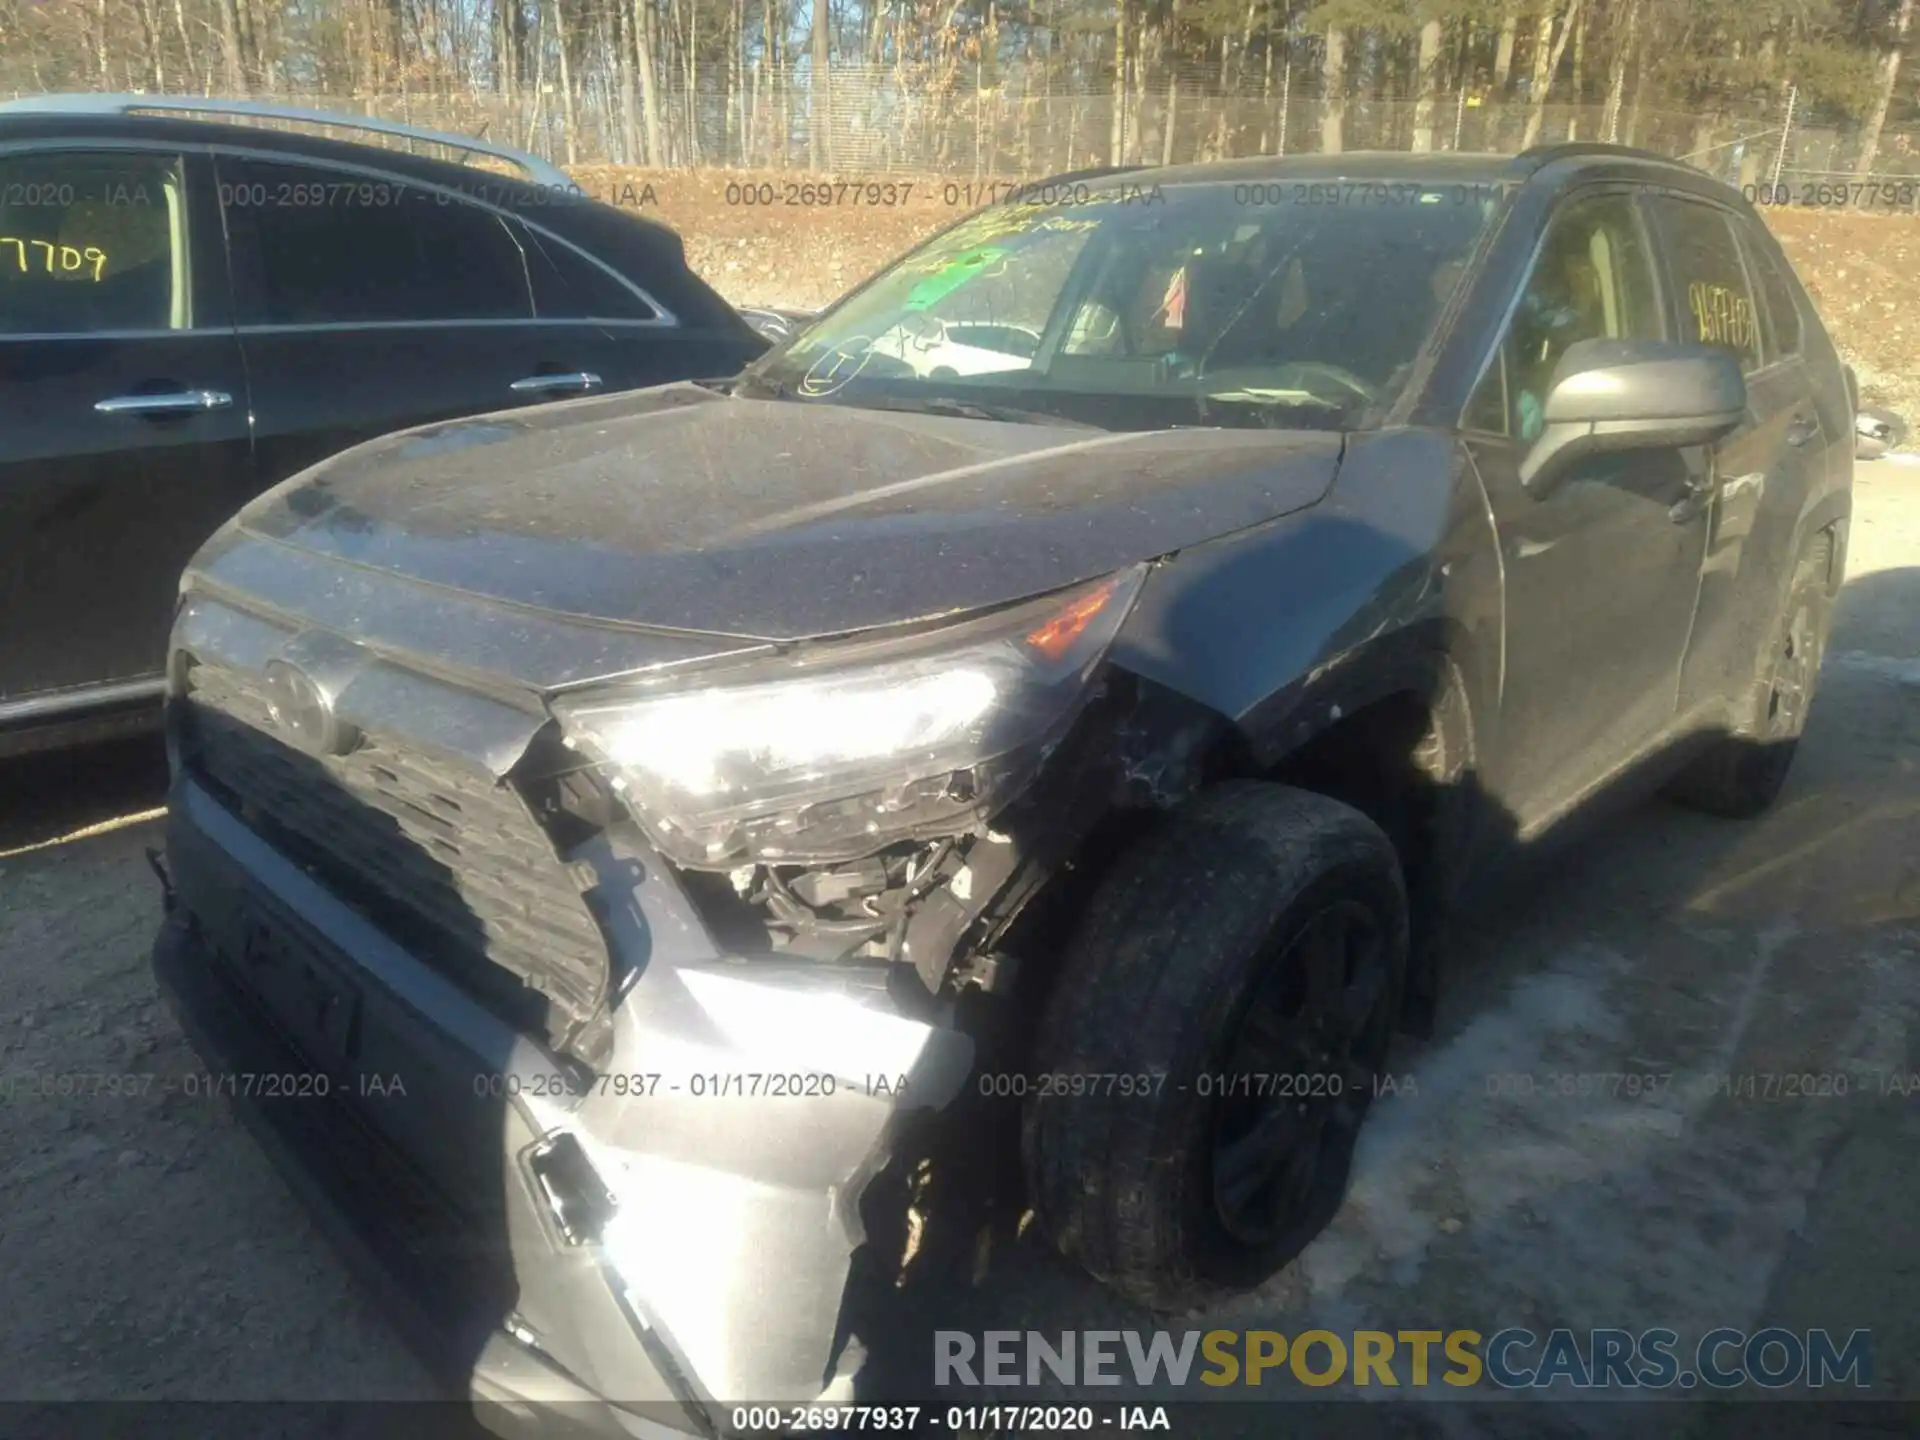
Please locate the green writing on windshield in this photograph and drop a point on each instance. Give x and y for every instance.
(951, 276)
(995, 236)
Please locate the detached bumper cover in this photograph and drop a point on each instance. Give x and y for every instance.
(720, 1274)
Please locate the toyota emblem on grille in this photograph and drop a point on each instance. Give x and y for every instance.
(301, 708)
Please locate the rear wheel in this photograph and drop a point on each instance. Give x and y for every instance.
(1222, 1013)
(1742, 773)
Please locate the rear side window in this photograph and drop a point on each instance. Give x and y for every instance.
(567, 285)
(316, 246)
(1780, 308)
(1715, 295)
(92, 242)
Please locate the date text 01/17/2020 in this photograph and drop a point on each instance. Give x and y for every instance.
(801, 1085)
(1306, 1084)
(198, 1084)
(645, 1084)
(960, 1419)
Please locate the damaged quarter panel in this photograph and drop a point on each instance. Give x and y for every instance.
(1285, 628)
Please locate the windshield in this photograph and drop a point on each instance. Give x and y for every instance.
(1142, 307)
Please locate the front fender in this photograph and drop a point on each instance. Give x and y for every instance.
(1390, 585)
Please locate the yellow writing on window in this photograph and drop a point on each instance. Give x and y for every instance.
(1722, 316)
(52, 259)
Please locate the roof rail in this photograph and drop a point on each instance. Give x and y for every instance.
(1543, 155)
(1073, 177)
(540, 172)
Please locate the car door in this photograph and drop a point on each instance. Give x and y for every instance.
(123, 412)
(1761, 473)
(368, 302)
(1602, 572)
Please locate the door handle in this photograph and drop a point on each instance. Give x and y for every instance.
(556, 384)
(182, 402)
(1802, 429)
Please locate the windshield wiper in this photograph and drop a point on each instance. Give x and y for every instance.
(760, 388)
(967, 410)
(757, 387)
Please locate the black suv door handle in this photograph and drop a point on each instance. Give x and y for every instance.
(181, 402)
(556, 384)
(1802, 429)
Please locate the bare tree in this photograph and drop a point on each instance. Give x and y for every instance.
(821, 88)
(1429, 69)
(987, 83)
(1173, 85)
(1623, 54)
(1550, 43)
(1503, 48)
(1889, 75)
(560, 37)
(1333, 91)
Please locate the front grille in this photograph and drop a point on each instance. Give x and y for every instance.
(448, 861)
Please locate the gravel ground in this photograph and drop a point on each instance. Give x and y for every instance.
(148, 1251)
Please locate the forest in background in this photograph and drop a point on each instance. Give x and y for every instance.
(1811, 89)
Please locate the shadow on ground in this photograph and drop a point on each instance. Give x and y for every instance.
(60, 793)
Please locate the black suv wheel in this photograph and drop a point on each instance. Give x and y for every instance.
(1228, 999)
(1742, 773)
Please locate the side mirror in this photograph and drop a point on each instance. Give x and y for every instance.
(1612, 395)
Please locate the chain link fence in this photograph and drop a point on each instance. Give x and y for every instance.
(891, 121)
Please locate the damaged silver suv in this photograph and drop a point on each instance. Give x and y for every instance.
(1056, 698)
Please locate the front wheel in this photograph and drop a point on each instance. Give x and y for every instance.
(1249, 956)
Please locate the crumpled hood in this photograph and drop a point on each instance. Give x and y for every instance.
(685, 509)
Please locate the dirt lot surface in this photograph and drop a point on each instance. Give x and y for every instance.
(148, 1250)
(1864, 273)
(787, 238)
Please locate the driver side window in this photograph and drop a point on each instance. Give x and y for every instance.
(1593, 280)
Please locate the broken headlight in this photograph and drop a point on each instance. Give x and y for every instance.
(840, 749)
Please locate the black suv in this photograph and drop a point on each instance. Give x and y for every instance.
(1058, 696)
(191, 312)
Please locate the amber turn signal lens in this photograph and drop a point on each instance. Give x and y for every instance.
(1055, 636)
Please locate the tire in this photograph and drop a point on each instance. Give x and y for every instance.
(1193, 963)
(1742, 773)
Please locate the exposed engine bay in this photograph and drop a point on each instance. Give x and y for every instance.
(940, 909)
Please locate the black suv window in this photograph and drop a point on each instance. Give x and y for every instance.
(1593, 280)
(569, 286)
(92, 242)
(316, 246)
(1779, 307)
(1714, 292)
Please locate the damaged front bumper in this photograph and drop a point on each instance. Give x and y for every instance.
(640, 1246)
